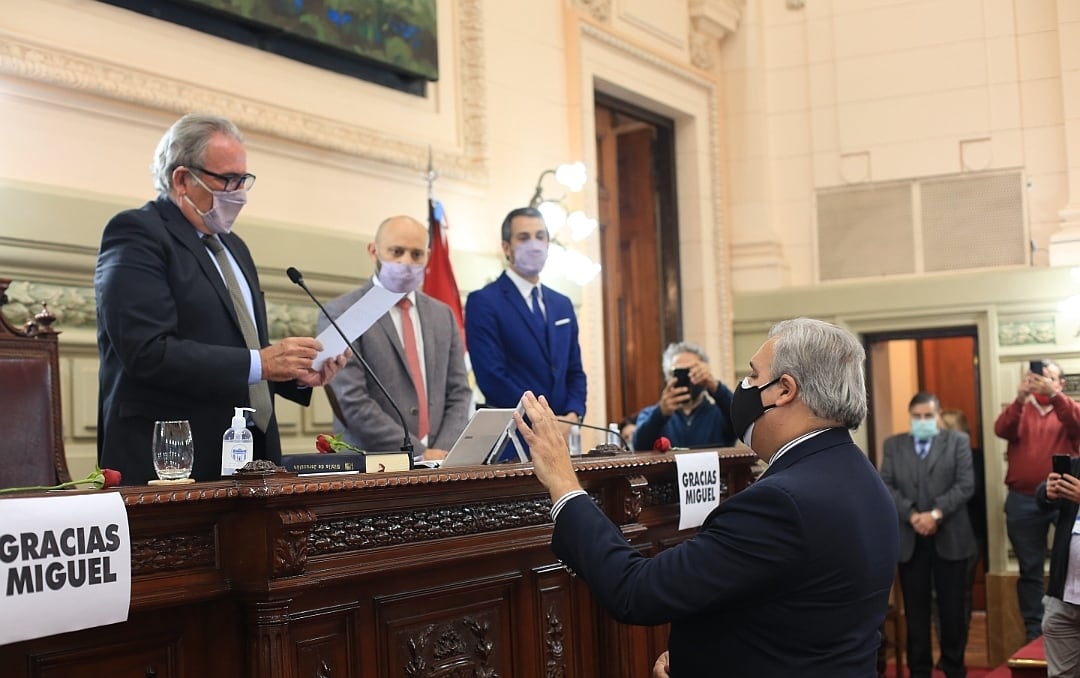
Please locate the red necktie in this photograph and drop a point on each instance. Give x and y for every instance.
(412, 357)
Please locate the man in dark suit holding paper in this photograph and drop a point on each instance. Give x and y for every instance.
(523, 334)
(400, 253)
(930, 475)
(182, 328)
(789, 577)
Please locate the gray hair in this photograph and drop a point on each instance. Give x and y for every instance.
(184, 145)
(675, 349)
(827, 364)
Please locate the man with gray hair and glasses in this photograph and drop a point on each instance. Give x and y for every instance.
(182, 331)
(694, 408)
(790, 576)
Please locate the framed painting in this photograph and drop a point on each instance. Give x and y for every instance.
(356, 37)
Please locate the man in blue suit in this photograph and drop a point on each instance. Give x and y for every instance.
(523, 336)
(789, 577)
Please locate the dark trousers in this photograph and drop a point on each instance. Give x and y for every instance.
(949, 579)
(1028, 527)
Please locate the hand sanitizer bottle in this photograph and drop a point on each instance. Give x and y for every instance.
(575, 440)
(237, 446)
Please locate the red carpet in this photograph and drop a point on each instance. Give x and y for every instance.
(890, 672)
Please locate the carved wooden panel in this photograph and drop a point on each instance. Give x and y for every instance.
(457, 632)
(324, 646)
(556, 624)
(357, 533)
(153, 657)
(172, 552)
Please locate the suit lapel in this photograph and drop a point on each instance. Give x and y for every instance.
(186, 234)
(937, 447)
(517, 302)
(431, 351)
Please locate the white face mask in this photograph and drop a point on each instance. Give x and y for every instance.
(222, 214)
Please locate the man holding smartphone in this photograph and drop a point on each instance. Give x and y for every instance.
(694, 408)
(1039, 423)
(1061, 623)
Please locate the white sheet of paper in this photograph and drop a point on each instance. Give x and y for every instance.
(65, 564)
(356, 320)
(699, 486)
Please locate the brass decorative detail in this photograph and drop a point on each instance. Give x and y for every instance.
(130, 84)
(174, 552)
(291, 544)
(418, 525)
(554, 653)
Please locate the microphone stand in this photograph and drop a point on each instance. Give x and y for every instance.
(622, 443)
(406, 445)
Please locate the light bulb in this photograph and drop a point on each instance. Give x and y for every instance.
(573, 176)
(554, 216)
(581, 226)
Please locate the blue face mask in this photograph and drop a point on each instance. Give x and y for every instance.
(399, 277)
(924, 429)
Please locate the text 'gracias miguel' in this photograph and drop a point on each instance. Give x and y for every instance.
(700, 486)
(78, 555)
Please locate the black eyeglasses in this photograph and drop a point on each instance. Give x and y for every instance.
(233, 182)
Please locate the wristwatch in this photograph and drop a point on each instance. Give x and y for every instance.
(937, 515)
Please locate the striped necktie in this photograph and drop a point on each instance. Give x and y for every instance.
(258, 393)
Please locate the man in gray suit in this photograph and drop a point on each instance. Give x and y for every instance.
(420, 331)
(930, 475)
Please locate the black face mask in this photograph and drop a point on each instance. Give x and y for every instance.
(695, 391)
(746, 408)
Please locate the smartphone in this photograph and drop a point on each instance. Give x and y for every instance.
(682, 377)
(1062, 463)
(1036, 366)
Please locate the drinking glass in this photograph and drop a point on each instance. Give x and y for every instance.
(174, 451)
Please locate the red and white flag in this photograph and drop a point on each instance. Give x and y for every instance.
(439, 281)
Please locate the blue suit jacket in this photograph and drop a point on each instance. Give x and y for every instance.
(789, 577)
(509, 356)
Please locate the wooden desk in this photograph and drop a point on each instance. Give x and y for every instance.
(417, 573)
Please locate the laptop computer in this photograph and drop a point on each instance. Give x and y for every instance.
(484, 437)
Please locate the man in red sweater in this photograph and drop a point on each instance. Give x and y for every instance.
(1041, 422)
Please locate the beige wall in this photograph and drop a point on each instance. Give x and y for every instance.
(844, 92)
(86, 90)
(770, 105)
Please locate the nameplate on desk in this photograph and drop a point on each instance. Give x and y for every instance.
(347, 462)
(65, 564)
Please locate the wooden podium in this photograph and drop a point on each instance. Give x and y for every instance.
(410, 574)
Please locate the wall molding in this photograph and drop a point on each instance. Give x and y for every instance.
(126, 83)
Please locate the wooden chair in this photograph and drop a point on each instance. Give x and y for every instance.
(31, 434)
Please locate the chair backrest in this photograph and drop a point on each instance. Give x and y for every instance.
(31, 432)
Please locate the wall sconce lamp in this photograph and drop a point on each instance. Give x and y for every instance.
(562, 260)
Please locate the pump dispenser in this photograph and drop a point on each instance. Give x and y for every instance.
(237, 445)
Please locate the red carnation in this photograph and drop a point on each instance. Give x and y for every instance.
(112, 477)
(662, 444)
(323, 444)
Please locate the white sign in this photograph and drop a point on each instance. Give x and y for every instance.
(355, 321)
(699, 486)
(65, 564)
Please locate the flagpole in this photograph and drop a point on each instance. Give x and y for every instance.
(432, 175)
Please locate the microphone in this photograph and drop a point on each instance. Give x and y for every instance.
(406, 446)
(599, 450)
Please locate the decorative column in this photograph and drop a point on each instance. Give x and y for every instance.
(1065, 244)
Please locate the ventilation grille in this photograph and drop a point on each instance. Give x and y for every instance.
(941, 224)
(973, 222)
